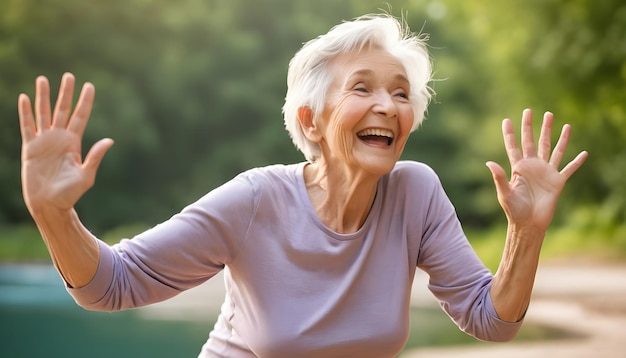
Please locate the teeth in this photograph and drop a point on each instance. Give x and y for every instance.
(377, 132)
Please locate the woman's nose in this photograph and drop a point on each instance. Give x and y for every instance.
(385, 105)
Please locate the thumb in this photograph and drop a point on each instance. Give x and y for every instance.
(499, 178)
(96, 153)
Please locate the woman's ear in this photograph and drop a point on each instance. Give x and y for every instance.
(309, 127)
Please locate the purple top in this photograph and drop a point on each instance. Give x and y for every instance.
(293, 286)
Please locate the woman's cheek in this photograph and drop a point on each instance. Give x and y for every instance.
(407, 121)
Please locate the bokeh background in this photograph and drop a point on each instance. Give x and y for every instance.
(192, 92)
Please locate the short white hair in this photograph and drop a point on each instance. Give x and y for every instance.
(309, 77)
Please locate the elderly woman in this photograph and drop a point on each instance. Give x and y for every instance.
(318, 257)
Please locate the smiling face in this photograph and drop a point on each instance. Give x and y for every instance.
(367, 117)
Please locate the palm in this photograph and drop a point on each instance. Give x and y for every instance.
(52, 169)
(533, 187)
(53, 172)
(531, 195)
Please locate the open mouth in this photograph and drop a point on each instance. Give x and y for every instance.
(376, 136)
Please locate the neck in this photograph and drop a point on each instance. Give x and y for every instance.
(341, 198)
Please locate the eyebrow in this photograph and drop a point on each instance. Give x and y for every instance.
(369, 73)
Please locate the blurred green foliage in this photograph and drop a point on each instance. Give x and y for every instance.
(22, 243)
(192, 91)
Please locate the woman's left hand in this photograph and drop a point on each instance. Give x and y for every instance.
(530, 197)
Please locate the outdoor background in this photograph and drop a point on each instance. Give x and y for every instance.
(191, 91)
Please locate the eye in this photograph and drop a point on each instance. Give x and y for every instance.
(402, 94)
(360, 87)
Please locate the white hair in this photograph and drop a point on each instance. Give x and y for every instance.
(309, 77)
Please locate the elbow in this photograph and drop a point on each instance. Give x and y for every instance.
(96, 308)
(498, 338)
(102, 304)
(497, 331)
(488, 326)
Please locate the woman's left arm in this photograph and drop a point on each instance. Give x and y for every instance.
(529, 200)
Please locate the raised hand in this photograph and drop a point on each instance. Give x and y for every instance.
(54, 174)
(530, 197)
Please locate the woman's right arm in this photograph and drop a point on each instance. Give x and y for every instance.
(55, 176)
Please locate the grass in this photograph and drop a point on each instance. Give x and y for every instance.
(22, 243)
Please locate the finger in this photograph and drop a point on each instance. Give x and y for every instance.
(42, 103)
(528, 139)
(64, 101)
(574, 165)
(27, 123)
(561, 146)
(510, 142)
(94, 156)
(499, 179)
(79, 118)
(544, 137)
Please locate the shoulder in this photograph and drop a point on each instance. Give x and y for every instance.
(413, 172)
(272, 175)
(256, 181)
(248, 190)
(273, 171)
(277, 182)
(414, 181)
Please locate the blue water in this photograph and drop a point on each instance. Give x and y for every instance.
(38, 318)
(32, 285)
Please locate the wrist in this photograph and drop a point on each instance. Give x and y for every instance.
(46, 212)
(523, 229)
(523, 242)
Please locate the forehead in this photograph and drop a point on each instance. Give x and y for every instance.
(372, 63)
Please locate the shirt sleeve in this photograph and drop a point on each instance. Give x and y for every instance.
(175, 255)
(458, 278)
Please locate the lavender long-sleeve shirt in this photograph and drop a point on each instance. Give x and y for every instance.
(295, 288)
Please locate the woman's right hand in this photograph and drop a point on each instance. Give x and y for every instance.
(54, 174)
